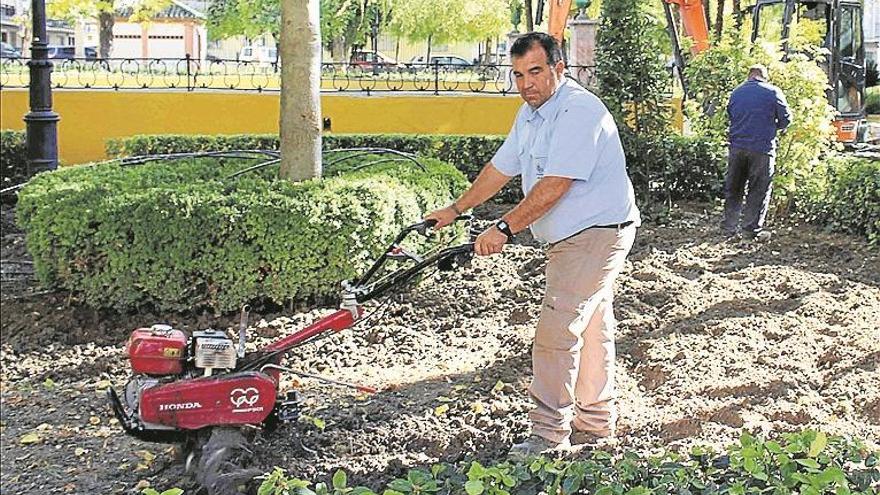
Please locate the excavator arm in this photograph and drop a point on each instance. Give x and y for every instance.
(693, 19)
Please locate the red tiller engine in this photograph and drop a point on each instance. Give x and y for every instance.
(173, 385)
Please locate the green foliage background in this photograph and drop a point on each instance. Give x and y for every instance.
(632, 80)
(715, 73)
(179, 235)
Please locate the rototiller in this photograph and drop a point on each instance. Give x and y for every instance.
(205, 390)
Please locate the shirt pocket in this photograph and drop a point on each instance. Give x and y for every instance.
(540, 151)
(538, 165)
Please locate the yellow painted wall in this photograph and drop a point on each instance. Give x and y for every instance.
(90, 117)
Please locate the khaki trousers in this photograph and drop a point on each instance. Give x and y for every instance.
(573, 355)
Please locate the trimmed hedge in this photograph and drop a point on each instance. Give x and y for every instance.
(672, 168)
(13, 157)
(850, 199)
(179, 235)
(666, 168)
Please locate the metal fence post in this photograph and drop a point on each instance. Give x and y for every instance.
(190, 85)
(436, 77)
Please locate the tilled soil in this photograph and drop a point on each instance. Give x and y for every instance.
(714, 337)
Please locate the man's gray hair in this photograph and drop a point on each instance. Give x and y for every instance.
(758, 71)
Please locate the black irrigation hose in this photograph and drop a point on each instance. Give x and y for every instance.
(248, 155)
(356, 152)
(254, 167)
(241, 154)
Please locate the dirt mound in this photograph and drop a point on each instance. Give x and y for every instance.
(713, 337)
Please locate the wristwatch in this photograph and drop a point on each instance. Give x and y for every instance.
(504, 227)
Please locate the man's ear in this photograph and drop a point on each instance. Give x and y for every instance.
(559, 68)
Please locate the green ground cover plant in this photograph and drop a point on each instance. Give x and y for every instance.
(807, 463)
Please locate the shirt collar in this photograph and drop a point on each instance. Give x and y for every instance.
(548, 109)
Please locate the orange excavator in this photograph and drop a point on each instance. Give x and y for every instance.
(839, 23)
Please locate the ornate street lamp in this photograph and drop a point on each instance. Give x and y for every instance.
(42, 122)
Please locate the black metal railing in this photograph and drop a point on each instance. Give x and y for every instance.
(197, 75)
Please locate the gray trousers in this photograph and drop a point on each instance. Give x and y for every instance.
(755, 169)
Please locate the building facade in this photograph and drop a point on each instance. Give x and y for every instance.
(176, 32)
(872, 30)
(15, 27)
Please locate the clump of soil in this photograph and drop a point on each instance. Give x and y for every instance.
(714, 337)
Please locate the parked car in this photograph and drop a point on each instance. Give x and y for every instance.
(263, 55)
(447, 61)
(91, 52)
(367, 60)
(9, 51)
(61, 52)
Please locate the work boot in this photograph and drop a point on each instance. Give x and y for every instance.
(536, 445)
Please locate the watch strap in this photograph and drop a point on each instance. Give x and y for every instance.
(504, 227)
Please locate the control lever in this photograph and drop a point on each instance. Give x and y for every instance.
(242, 329)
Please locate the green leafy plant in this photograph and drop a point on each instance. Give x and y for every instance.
(663, 168)
(170, 491)
(872, 101)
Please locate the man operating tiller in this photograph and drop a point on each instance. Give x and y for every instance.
(578, 199)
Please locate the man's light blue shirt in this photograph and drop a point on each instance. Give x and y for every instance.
(571, 135)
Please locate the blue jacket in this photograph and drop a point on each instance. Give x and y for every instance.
(757, 109)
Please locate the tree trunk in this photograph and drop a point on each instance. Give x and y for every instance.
(337, 49)
(707, 9)
(737, 13)
(300, 90)
(719, 20)
(530, 20)
(428, 56)
(105, 33)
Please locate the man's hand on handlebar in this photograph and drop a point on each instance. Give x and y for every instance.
(443, 216)
(491, 241)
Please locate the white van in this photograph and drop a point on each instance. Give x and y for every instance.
(263, 55)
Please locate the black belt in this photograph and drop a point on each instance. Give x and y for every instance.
(617, 226)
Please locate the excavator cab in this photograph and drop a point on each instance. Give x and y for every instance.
(835, 25)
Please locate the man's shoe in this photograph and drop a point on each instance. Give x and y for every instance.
(761, 236)
(536, 445)
(583, 438)
(727, 234)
